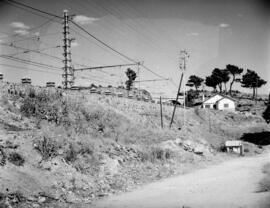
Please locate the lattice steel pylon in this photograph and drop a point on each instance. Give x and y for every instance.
(68, 71)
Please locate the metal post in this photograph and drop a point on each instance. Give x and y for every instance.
(68, 75)
(161, 115)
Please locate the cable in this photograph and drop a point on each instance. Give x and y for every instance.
(30, 50)
(35, 37)
(30, 62)
(21, 67)
(103, 43)
(100, 41)
(32, 8)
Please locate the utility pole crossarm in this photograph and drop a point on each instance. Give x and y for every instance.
(108, 66)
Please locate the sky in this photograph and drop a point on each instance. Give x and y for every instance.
(214, 33)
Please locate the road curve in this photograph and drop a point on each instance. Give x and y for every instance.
(231, 184)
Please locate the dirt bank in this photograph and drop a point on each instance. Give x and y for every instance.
(230, 184)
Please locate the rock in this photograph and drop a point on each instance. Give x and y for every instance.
(188, 145)
(35, 205)
(32, 199)
(102, 194)
(198, 150)
(178, 141)
(71, 198)
(109, 166)
(41, 199)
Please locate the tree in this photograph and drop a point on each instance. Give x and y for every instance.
(233, 70)
(217, 77)
(210, 81)
(252, 80)
(221, 76)
(225, 77)
(266, 114)
(195, 81)
(131, 78)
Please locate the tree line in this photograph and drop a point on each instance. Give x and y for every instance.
(220, 77)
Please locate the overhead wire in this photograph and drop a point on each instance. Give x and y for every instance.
(80, 27)
(34, 51)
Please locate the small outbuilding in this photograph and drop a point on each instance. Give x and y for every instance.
(234, 146)
(219, 102)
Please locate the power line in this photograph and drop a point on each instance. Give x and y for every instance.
(35, 37)
(29, 62)
(32, 8)
(21, 67)
(31, 50)
(103, 43)
(152, 80)
(97, 39)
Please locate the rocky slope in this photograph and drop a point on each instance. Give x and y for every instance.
(62, 149)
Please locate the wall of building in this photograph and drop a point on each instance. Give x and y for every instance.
(226, 104)
(211, 101)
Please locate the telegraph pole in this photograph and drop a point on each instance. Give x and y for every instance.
(161, 114)
(182, 66)
(68, 72)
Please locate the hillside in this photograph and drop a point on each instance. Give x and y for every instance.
(68, 148)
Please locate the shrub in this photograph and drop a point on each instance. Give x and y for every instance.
(43, 105)
(71, 154)
(266, 114)
(222, 148)
(47, 147)
(2, 196)
(16, 159)
(156, 154)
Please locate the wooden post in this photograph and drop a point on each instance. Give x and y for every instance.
(184, 55)
(179, 87)
(161, 115)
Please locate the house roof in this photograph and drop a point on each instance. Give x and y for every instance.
(223, 96)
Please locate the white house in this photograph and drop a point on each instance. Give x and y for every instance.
(219, 102)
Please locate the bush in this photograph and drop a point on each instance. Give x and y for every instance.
(266, 114)
(156, 154)
(47, 148)
(71, 154)
(16, 159)
(43, 106)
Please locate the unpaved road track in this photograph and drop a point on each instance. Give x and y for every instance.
(231, 184)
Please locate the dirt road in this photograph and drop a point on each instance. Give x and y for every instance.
(231, 184)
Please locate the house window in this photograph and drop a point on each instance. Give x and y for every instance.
(207, 106)
(226, 105)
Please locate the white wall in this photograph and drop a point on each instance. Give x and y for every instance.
(221, 104)
(211, 101)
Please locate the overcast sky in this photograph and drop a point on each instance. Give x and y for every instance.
(214, 32)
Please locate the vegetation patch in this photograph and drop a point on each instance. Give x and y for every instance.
(16, 159)
(259, 138)
(47, 147)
